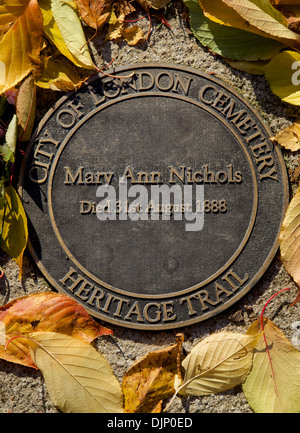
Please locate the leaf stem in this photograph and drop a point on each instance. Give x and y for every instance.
(264, 335)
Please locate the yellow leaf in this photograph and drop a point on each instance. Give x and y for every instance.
(256, 16)
(289, 137)
(218, 363)
(63, 27)
(273, 387)
(58, 75)
(21, 46)
(53, 33)
(78, 378)
(14, 227)
(133, 35)
(11, 10)
(289, 238)
(283, 77)
(151, 379)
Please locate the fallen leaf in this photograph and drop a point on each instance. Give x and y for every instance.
(63, 27)
(8, 150)
(289, 137)
(151, 379)
(78, 378)
(58, 75)
(133, 35)
(279, 73)
(25, 108)
(117, 30)
(21, 45)
(51, 312)
(218, 363)
(289, 238)
(257, 16)
(14, 227)
(286, 2)
(255, 68)
(155, 4)
(94, 12)
(228, 41)
(273, 387)
(125, 7)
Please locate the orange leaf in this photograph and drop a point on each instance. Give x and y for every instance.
(50, 312)
(94, 12)
(151, 379)
(21, 44)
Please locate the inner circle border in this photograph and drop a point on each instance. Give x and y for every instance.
(122, 291)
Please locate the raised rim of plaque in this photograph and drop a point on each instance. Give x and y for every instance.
(272, 252)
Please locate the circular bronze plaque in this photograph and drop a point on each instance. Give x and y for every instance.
(154, 196)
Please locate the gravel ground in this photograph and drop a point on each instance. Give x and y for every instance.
(22, 390)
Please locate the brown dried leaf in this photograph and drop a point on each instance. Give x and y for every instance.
(289, 137)
(132, 35)
(94, 12)
(50, 312)
(155, 4)
(151, 379)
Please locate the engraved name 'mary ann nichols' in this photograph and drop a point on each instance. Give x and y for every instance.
(162, 128)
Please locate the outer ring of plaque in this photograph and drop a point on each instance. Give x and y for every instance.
(267, 261)
(121, 291)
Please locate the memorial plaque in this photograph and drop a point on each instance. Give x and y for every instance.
(154, 196)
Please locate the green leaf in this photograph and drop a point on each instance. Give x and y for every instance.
(13, 225)
(228, 41)
(9, 148)
(283, 76)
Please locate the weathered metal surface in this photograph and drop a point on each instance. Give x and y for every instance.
(155, 200)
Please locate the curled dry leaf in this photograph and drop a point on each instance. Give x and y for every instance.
(273, 387)
(151, 379)
(117, 30)
(94, 12)
(51, 312)
(78, 378)
(218, 363)
(155, 4)
(25, 108)
(289, 137)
